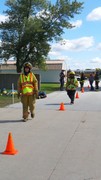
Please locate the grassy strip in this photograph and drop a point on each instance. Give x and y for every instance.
(7, 100)
(49, 87)
(46, 87)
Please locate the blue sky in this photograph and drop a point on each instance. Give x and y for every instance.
(81, 46)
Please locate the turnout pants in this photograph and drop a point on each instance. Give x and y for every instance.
(71, 94)
(97, 85)
(28, 104)
(81, 84)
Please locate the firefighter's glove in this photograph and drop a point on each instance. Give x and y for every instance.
(36, 93)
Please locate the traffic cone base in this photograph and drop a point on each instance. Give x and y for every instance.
(77, 95)
(62, 108)
(10, 150)
(82, 90)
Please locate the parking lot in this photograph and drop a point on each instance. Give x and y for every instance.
(55, 145)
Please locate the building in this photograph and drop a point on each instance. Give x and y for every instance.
(53, 69)
(50, 75)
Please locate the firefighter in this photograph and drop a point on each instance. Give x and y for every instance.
(62, 80)
(82, 80)
(97, 80)
(91, 81)
(28, 90)
(71, 85)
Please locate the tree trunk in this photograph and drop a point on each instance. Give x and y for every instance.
(18, 67)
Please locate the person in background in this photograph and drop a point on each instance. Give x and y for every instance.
(28, 90)
(62, 80)
(91, 81)
(82, 80)
(96, 78)
(71, 86)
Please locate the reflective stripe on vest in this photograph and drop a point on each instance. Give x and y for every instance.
(27, 84)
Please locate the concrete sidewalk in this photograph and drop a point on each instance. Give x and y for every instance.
(56, 145)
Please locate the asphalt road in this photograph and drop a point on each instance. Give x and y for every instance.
(55, 145)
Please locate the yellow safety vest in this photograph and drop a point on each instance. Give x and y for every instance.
(71, 84)
(27, 85)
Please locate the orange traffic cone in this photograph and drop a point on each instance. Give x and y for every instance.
(82, 90)
(62, 108)
(77, 95)
(10, 150)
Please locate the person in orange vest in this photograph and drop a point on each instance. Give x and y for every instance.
(71, 85)
(27, 90)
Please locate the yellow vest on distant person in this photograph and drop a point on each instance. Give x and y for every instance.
(27, 87)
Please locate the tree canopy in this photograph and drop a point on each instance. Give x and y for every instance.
(31, 25)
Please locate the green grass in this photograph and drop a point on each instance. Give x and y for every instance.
(6, 100)
(46, 87)
(49, 87)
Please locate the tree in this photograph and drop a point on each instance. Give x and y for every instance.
(31, 26)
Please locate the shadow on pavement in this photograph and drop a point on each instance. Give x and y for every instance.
(10, 121)
(55, 104)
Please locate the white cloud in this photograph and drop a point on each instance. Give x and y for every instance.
(96, 60)
(66, 50)
(99, 46)
(54, 53)
(77, 24)
(94, 15)
(2, 18)
(79, 44)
